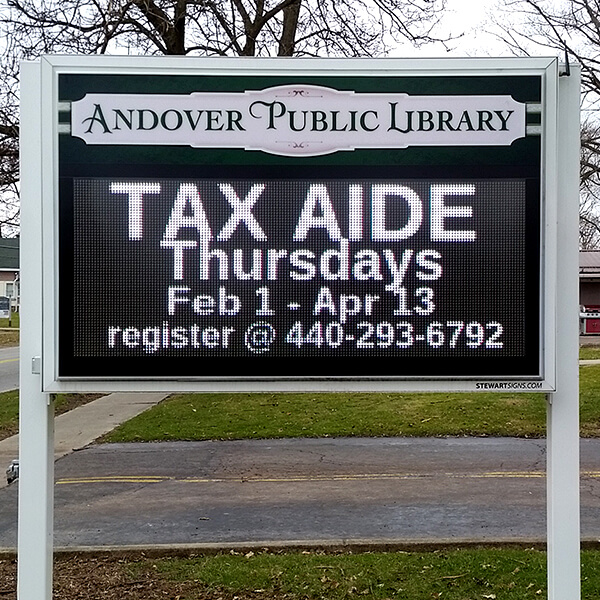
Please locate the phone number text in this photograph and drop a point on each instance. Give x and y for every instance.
(448, 334)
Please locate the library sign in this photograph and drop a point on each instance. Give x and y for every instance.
(284, 224)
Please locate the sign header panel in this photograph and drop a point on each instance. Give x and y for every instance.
(298, 120)
(299, 227)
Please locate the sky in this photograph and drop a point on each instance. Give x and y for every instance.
(469, 17)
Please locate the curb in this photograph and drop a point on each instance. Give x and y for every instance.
(327, 546)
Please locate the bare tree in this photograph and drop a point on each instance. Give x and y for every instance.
(9, 149)
(220, 27)
(589, 215)
(31, 28)
(569, 28)
(559, 26)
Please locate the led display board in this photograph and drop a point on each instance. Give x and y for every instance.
(275, 223)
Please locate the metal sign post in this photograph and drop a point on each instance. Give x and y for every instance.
(272, 225)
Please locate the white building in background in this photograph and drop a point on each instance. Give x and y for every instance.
(9, 269)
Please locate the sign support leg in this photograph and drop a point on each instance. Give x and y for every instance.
(36, 492)
(563, 405)
(563, 495)
(36, 411)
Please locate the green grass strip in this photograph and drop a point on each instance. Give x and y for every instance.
(464, 574)
(589, 353)
(254, 416)
(14, 321)
(9, 413)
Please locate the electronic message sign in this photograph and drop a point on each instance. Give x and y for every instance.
(277, 223)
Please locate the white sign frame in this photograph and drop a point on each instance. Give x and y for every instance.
(52, 67)
(39, 127)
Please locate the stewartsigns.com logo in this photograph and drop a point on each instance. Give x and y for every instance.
(297, 120)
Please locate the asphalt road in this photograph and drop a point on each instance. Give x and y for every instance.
(388, 490)
(331, 490)
(9, 368)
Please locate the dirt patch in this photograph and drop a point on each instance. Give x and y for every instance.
(113, 578)
(9, 337)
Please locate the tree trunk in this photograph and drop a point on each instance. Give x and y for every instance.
(290, 25)
(179, 27)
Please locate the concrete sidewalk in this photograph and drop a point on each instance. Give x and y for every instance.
(79, 427)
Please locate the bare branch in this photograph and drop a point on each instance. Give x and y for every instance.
(31, 28)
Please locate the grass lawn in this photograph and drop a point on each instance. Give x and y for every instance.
(9, 413)
(14, 321)
(247, 416)
(477, 573)
(589, 352)
(461, 574)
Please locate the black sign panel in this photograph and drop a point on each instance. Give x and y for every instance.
(229, 264)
